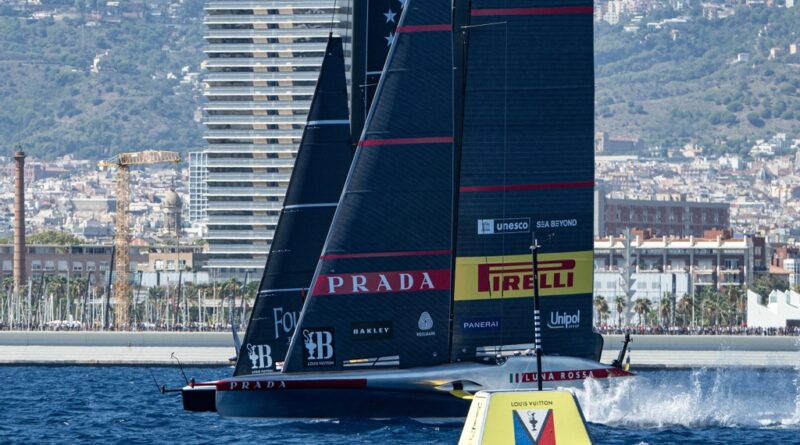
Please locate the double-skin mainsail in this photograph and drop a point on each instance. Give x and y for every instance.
(526, 166)
(381, 293)
(389, 291)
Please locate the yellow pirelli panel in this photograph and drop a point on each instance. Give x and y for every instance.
(484, 278)
(525, 417)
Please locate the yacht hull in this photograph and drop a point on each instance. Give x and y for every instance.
(199, 398)
(431, 392)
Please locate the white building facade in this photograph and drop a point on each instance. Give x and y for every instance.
(198, 185)
(793, 266)
(781, 311)
(263, 59)
(682, 266)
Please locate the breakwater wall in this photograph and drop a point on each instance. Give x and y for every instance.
(216, 348)
(141, 339)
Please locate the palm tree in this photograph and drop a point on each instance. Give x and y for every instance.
(191, 292)
(710, 308)
(683, 307)
(601, 306)
(642, 307)
(56, 286)
(156, 295)
(230, 289)
(8, 288)
(619, 306)
(665, 308)
(725, 312)
(77, 291)
(737, 304)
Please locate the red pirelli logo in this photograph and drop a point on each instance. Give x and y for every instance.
(511, 276)
(505, 277)
(382, 282)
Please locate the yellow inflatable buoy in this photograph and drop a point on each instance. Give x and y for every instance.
(525, 417)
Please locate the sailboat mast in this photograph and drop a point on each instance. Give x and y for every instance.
(459, 55)
(358, 65)
(537, 324)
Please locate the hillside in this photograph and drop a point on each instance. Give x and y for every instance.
(681, 83)
(666, 86)
(55, 103)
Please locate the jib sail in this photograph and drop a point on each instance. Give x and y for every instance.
(526, 165)
(320, 170)
(381, 293)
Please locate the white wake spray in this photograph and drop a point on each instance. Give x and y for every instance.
(695, 399)
(795, 418)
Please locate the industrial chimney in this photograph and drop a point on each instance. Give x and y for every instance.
(19, 222)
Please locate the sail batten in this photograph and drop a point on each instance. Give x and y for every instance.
(551, 10)
(520, 187)
(425, 28)
(407, 141)
(385, 254)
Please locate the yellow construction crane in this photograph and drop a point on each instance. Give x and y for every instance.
(122, 163)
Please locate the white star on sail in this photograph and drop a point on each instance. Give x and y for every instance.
(389, 39)
(390, 16)
(402, 3)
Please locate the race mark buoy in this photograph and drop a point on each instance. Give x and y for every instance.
(525, 417)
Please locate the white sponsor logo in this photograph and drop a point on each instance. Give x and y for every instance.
(370, 331)
(284, 321)
(380, 282)
(319, 347)
(564, 320)
(501, 226)
(425, 324)
(257, 385)
(490, 323)
(556, 223)
(260, 356)
(485, 227)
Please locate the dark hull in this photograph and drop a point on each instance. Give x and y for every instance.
(199, 399)
(346, 403)
(430, 392)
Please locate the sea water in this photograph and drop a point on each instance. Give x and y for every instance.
(121, 405)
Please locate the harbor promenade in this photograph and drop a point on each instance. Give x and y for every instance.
(215, 348)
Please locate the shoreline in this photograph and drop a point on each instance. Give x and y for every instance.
(213, 349)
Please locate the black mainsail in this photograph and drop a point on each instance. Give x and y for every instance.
(323, 160)
(526, 165)
(381, 293)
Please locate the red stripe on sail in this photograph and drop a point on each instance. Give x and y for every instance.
(406, 141)
(424, 28)
(555, 10)
(517, 187)
(338, 256)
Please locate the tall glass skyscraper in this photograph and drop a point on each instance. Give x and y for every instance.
(262, 62)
